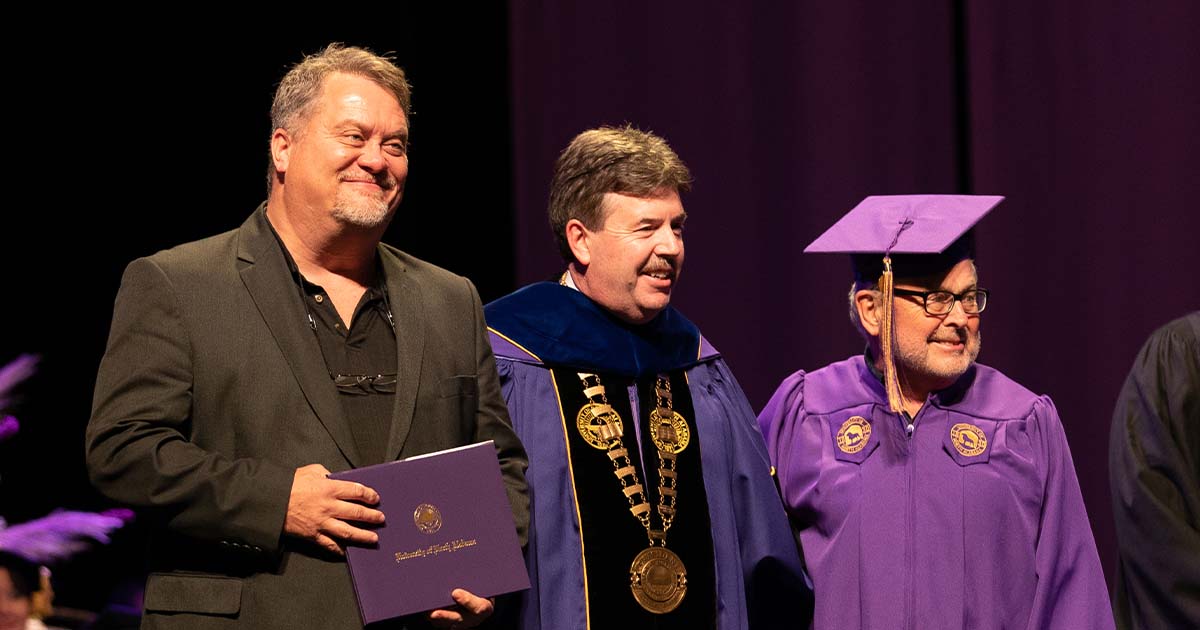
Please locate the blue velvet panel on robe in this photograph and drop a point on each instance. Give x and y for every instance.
(564, 328)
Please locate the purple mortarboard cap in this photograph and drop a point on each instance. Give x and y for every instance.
(904, 224)
(916, 227)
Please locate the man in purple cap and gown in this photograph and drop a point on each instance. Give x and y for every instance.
(653, 504)
(926, 490)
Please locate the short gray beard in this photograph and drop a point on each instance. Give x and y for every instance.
(361, 211)
(924, 369)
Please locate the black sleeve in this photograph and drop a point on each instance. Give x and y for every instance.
(1154, 467)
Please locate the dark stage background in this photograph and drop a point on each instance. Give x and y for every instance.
(787, 113)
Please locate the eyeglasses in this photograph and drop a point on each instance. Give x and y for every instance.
(940, 303)
(353, 384)
(363, 384)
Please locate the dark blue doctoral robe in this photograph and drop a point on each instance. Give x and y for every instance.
(759, 582)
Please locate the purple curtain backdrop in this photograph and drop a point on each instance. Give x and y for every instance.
(789, 114)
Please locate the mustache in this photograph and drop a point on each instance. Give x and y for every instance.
(956, 336)
(383, 180)
(659, 265)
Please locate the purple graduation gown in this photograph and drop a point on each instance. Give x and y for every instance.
(953, 527)
(756, 562)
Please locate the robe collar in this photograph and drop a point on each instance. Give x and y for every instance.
(564, 328)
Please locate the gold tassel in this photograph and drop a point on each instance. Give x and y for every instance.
(891, 382)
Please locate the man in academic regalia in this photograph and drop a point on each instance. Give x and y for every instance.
(653, 503)
(926, 490)
(1154, 472)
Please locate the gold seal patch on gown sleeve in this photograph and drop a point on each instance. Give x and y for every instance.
(854, 434)
(968, 439)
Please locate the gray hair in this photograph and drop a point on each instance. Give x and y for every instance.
(300, 88)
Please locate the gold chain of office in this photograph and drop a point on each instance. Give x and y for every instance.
(657, 576)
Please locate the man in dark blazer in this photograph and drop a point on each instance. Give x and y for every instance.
(243, 368)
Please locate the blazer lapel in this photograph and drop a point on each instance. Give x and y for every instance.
(404, 293)
(274, 291)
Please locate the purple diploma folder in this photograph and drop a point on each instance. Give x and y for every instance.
(449, 525)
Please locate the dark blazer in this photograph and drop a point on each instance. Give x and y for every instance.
(212, 391)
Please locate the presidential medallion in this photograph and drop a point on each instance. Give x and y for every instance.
(658, 580)
(599, 424)
(669, 434)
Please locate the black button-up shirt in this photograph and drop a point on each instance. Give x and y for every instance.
(364, 352)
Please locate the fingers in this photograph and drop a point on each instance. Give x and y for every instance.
(321, 509)
(329, 544)
(354, 491)
(346, 511)
(475, 606)
(470, 611)
(443, 618)
(341, 530)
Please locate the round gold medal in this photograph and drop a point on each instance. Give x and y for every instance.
(672, 436)
(599, 424)
(658, 580)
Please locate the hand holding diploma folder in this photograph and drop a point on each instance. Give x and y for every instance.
(449, 526)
